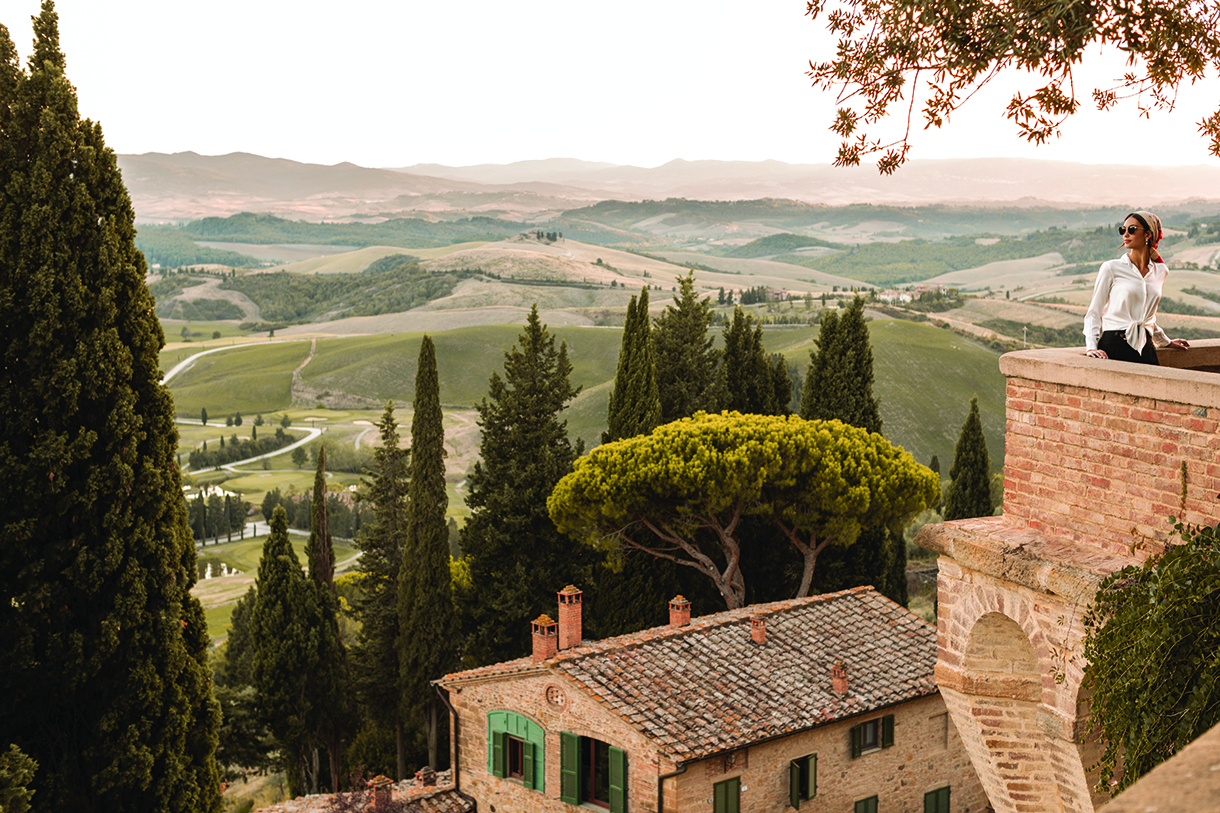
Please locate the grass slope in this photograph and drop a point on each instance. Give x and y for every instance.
(248, 380)
(924, 419)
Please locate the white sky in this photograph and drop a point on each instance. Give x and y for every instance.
(399, 82)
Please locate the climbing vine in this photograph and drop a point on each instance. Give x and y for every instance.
(1153, 644)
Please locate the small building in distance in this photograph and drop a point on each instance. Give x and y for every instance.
(823, 703)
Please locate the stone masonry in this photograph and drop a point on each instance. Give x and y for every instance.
(1098, 455)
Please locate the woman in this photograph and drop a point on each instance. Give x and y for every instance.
(1121, 320)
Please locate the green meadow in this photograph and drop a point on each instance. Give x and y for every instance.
(925, 378)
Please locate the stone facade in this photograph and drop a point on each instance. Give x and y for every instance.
(1098, 456)
(647, 694)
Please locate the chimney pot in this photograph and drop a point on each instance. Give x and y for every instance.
(546, 638)
(679, 612)
(838, 677)
(758, 630)
(569, 617)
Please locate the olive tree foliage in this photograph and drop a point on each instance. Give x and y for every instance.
(1151, 639)
(681, 492)
(894, 54)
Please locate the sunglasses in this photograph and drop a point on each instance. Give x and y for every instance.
(1128, 229)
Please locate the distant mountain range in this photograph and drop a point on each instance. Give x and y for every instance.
(186, 185)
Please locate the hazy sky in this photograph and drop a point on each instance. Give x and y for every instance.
(399, 82)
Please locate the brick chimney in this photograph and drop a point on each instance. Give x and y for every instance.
(569, 617)
(838, 677)
(758, 630)
(546, 638)
(679, 612)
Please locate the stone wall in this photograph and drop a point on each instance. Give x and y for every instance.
(927, 754)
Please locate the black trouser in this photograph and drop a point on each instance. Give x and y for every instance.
(1114, 342)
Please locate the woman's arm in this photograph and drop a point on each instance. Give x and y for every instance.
(1101, 297)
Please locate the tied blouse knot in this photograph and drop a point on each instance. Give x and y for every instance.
(1123, 300)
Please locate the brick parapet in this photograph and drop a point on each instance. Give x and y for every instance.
(1094, 450)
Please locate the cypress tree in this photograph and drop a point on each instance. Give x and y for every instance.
(330, 676)
(425, 593)
(518, 559)
(839, 383)
(375, 655)
(969, 494)
(685, 358)
(288, 653)
(104, 672)
(320, 552)
(745, 381)
(631, 593)
(635, 401)
(839, 386)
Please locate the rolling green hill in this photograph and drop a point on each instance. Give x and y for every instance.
(921, 416)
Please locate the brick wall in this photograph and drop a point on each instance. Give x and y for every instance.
(1094, 450)
(1094, 454)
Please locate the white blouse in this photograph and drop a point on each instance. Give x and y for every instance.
(1123, 300)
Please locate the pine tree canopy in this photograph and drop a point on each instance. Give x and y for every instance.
(104, 673)
(685, 358)
(680, 492)
(425, 594)
(969, 494)
(320, 551)
(518, 560)
(635, 401)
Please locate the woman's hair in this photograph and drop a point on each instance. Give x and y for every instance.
(1152, 225)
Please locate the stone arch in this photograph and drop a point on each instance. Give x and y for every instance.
(1001, 680)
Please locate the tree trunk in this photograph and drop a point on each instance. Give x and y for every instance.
(314, 766)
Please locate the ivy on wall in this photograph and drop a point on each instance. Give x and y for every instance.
(1152, 642)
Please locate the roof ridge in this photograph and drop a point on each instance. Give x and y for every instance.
(700, 623)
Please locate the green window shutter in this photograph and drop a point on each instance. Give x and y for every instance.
(857, 741)
(813, 776)
(887, 731)
(936, 801)
(868, 805)
(569, 768)
(499, 755)
(794, 783)
(726, 796)
(618, 780)
(527, 764)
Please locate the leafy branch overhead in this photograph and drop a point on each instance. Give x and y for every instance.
(680, 492)
(894, 53)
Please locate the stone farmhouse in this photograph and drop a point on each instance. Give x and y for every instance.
(825, 703)
(1098, 456)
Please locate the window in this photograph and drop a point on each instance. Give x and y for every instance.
(868, 805)
(515, 746)
(872, 735)
(592, 772)
(726, 796)
(802, 779)
(937, 801)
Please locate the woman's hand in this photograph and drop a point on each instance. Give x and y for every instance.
(1181, 344)
(1096, 354)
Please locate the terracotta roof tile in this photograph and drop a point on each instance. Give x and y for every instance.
(707, 687)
